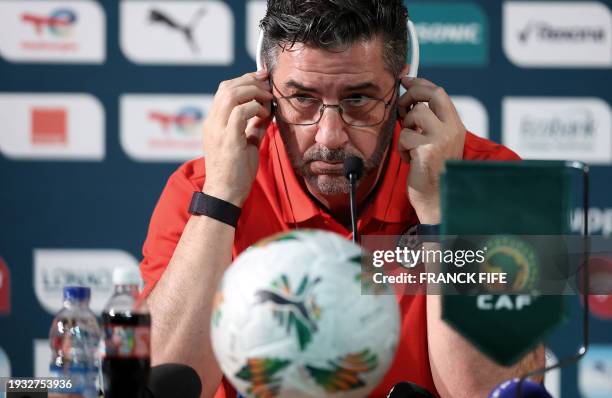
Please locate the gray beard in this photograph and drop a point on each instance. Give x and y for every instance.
(336, 184)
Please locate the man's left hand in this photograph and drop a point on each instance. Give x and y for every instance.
(430, 136)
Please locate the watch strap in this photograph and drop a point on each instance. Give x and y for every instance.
(209, 206)
(428, 232)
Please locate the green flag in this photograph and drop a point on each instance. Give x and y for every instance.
(503, 202)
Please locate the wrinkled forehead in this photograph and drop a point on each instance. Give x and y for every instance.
(333, 69)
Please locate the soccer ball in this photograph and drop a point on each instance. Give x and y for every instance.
(290, 320)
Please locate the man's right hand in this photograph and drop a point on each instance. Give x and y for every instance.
(237, 121)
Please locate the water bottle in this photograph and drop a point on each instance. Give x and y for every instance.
(74, 339)
(126, 349)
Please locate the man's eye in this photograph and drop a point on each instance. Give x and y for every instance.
(304, 100)
(357, 100)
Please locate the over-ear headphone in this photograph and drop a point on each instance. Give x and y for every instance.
(414, 50)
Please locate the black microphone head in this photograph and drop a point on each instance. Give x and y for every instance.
(174, 380)
(353, 165)
(406, 389)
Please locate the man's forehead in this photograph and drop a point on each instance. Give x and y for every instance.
(360, 62)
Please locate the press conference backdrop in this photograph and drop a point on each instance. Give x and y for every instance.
(101, 100)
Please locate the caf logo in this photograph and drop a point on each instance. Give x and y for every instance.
(516, 258)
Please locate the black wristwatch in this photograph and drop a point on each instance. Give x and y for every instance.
(209, 206)
(428, 232)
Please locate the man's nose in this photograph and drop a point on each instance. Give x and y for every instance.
(331, 129)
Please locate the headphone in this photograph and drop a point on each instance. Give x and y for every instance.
(414, 50)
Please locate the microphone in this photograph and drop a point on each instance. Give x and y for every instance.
(527, 389)
(353, 170)
(406, 389)
(173, 380)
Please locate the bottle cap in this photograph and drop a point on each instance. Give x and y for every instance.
(126, 276)
(77, 293)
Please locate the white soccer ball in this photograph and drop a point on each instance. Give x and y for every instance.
(290, 320)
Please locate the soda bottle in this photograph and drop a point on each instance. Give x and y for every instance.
(126, 323)
(74, 339)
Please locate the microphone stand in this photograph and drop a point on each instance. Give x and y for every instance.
(353, 169)
(353, 200)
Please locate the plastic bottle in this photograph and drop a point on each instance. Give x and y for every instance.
(74, 338)
(126, 349)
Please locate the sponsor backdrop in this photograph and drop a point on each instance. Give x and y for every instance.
(101, 101)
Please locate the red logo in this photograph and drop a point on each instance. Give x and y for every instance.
(49, 126)
(600, 299)
(58, 22)
(185, 121)
(5, 289)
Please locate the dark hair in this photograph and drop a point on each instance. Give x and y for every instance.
(334, 25)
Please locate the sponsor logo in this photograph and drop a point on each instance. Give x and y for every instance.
(552, 381)
(600, 220)
(52, 126)
(177, 32)
(163, 127)
(185, 120)
(5, 289)
(558, 128)
(595, 372)
(600, 285)
(514, 257)
(255, 11)
(473, 115)
(186, 30)
(56, 268)
(58, 23)
(49, 126)
(5, 364)
(451, 33)
(561, 34)
(40, 31)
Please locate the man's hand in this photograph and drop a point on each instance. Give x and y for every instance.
(233, 129)
(430, 135)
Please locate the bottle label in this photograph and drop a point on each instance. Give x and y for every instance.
(121, 341)
(74, 380)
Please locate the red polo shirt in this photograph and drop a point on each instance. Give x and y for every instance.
(278, 203)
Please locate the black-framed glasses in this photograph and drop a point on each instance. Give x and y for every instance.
(361, 111)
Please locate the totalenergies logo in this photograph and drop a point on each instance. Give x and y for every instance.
(186, 120)
(59, 22)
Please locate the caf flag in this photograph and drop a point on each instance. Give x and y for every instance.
(504, 203)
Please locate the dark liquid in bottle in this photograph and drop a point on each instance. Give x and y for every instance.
(124, 376)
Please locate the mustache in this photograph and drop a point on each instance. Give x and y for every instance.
(328, 155)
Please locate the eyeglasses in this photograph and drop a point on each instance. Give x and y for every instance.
(361, 111)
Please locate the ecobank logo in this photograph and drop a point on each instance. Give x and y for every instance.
(177, 32)
(52, 126)
(451, 33)
(56, 268)
(558, 34)
(163, 127)
(52, 31)
(558, 128)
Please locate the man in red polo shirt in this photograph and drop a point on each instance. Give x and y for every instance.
(333, 71)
